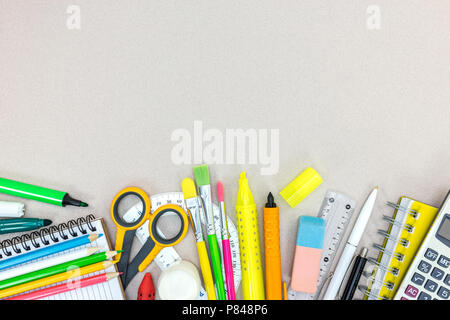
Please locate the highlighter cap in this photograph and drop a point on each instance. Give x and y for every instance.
(301, 187)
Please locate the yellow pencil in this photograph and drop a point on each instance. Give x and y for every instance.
(247, 221)
(56, 278)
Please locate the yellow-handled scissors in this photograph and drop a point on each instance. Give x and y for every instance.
(127, 229)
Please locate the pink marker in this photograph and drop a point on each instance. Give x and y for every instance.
(228, 263)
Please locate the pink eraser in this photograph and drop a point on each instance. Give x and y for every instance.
(308, 253)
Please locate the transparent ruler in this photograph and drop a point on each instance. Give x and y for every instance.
(168, 256)
(337, 209)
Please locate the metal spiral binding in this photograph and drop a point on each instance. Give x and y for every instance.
(387, 284)
(397, 255)
(388, 236)
(368, 293)
(400, 257)
(383, 267)
(47, 236)
(398, 207)
(406, 227)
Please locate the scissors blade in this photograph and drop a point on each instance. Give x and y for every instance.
(133, 266)
(122, 265)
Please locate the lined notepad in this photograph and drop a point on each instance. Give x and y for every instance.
(110, 290)
(409, 225)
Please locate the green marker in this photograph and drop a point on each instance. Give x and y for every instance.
(22, 224)
(29, 191)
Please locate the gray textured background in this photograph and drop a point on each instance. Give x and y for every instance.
(91, 111)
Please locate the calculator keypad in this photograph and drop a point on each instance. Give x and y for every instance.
(425, 267)
(437, 273)
(430, 254)
(443, 293)
(447, 280)
(424, 296)
(431, 286)
(430, 279)
(443, 261)
(418, 279)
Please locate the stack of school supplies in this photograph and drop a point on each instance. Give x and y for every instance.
(407, 227)
(33, 265)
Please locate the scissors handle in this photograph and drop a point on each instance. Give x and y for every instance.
(127, 240)
(135, 265)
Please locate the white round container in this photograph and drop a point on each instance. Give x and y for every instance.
(181, 281)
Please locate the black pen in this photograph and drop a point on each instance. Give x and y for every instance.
(355, 275)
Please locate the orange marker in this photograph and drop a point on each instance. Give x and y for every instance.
(272, 250)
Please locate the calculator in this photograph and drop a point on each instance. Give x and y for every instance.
(428, 277)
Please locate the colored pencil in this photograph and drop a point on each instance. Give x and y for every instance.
(45, 263)
(46, 251)
(66, 287)
(56, 278)
(60, 268)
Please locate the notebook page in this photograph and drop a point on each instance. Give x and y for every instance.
(110, 290)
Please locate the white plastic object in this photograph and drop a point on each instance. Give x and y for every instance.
(180, 281)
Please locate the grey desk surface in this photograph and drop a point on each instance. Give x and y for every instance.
(92, 110)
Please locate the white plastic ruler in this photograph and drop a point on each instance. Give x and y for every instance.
(168, 256)
(337, 209)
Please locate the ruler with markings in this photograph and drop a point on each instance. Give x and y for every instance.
(337, 209)
(168, 256)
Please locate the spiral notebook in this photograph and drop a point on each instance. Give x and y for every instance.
(111, 290)
(407, 227)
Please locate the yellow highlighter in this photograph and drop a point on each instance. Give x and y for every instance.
(247, 221)
(194, 209)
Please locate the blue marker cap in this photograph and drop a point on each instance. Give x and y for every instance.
(311, 231)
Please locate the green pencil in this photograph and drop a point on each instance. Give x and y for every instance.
(60, 268)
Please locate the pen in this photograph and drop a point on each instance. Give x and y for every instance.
(272, 250)
(22, 224)
(350, 246)
(29, 191)
(355, 275)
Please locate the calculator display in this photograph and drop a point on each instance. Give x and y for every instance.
(444, 229)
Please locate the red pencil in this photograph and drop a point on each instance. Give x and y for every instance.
(65, 287)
